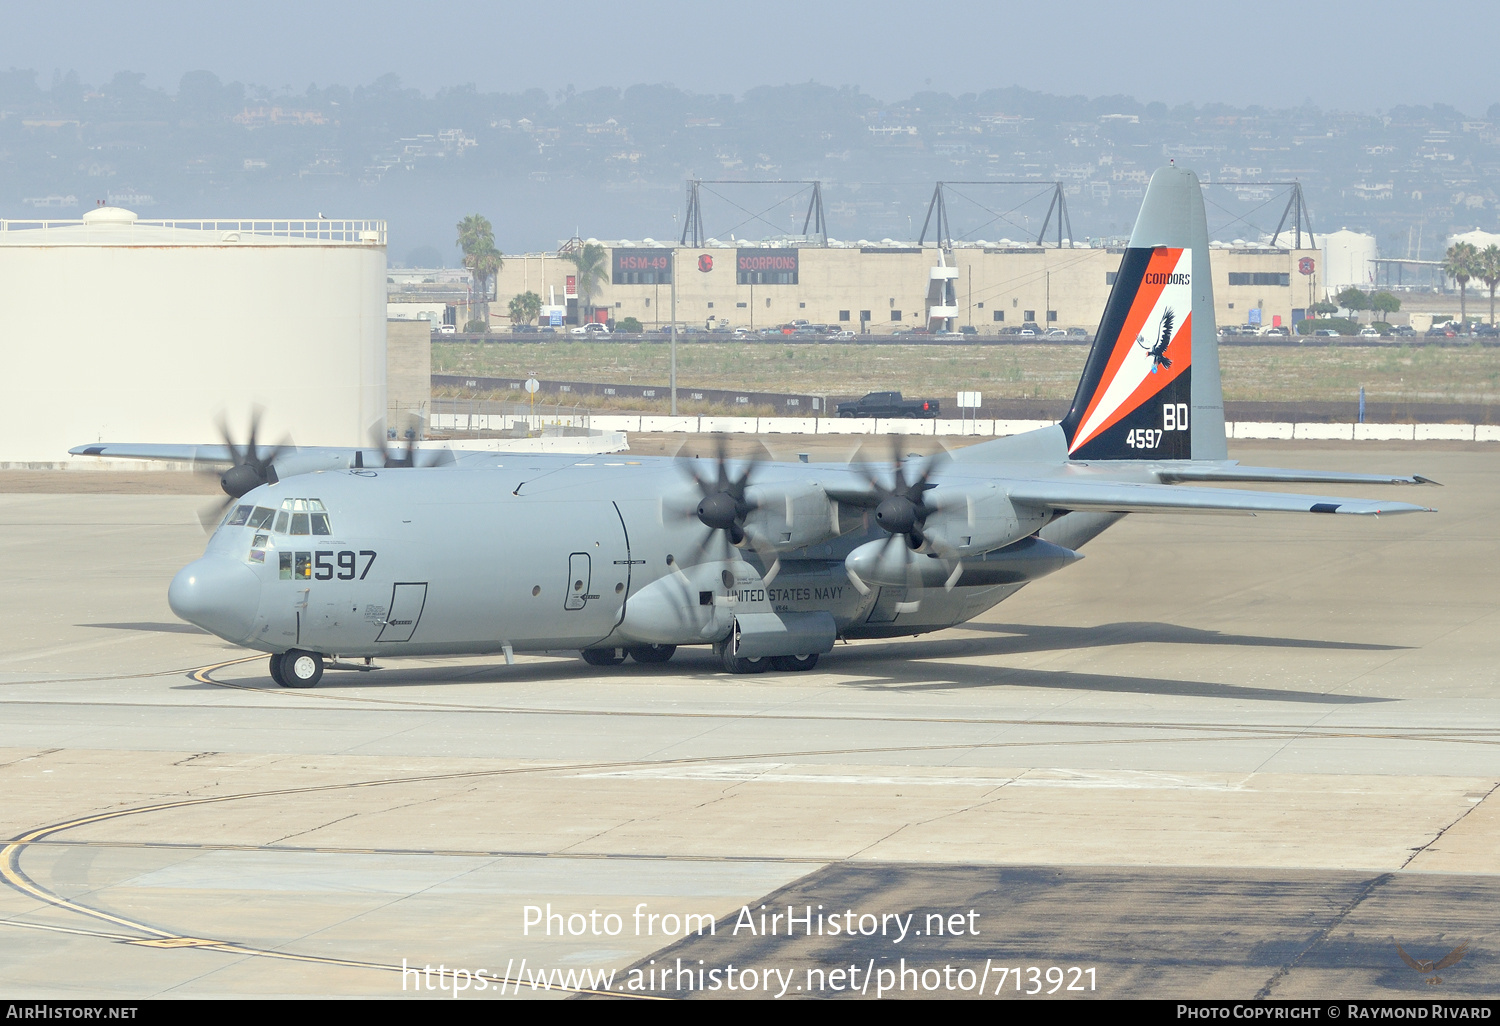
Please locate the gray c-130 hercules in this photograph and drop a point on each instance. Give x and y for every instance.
(345, 553)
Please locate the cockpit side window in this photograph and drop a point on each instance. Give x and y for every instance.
(282, 520)
(320, 524)
(262, 517)
(239, 516)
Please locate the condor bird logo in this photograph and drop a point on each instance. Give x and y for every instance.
(1434, 966)
(1158, 352)
(705, 262)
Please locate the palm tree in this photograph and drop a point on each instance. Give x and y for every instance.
(1489, 272)
(592, 262)
(1462, 263)
(525, 308)
(477, 240)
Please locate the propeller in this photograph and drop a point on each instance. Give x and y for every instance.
(392, 457)
(901, 507)
(900, 510)
(724, 507)
(251, 466)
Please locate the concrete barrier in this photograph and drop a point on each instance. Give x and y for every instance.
(1342, 432)
(1255, 429)
(1453, 432)
(846, 426)
(1487, 432)
(966, 427)
(1018, 427)
(1383, 432)
(688, 424)
(788, 425)
(616, 422)
(904, 426)
(729, 425)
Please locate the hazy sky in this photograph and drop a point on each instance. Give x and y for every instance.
(1367, 56)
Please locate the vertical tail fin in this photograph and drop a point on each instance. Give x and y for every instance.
(1150, 389)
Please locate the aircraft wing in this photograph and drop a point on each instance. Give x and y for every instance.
(182, 453)
(1227, 472)
(1067, 494)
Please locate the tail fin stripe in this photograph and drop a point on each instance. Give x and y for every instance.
(1178, 353)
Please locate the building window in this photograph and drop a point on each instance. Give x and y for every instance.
(648, 304)
(895, 315)
(741, 306)
(843, 315)
(768, 304)
(1051, 315)
(1231, 306)
(618, 305)
(893, 302)
(1029, 316)
(981, 306)
(864, 315)
(801, 306)
(1259, 278)
(1110, 276)
(999, 315)
(710, 306)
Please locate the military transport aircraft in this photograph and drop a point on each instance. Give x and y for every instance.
(349, 553)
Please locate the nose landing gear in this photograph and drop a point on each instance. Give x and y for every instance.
(297, 669)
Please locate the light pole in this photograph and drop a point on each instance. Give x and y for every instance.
(673, 373)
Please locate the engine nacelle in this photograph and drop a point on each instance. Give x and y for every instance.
(889, 563)
(792, 515)
(975, 518)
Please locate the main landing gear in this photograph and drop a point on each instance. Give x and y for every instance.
(297, 669)
(743, 664)
(616, 656)
(656, 654)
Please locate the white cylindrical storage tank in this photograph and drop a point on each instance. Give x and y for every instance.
(1348, 259)
(121, 330)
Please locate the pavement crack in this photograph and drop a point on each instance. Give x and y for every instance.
(1457, 820)
(1322, 935)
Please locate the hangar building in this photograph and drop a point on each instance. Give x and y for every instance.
(886, 287)
(119, 329)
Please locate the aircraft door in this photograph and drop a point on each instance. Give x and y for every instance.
(579, 578)
(407, 601)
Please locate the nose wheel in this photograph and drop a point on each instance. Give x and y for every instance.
(297, 669)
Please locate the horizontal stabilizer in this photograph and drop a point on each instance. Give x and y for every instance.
(1227, 472)
(1120, 497)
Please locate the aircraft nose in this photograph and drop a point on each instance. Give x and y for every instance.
(218, 594)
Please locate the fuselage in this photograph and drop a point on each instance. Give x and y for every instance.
(536, 553)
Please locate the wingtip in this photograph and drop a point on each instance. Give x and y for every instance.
(1419, 479)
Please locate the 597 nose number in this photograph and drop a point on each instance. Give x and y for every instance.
(325, 568)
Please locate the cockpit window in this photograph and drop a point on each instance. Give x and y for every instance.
(239, 516)
(296, 516)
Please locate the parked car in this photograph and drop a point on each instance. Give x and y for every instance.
(842, 335)
(1368, 332)
(1054, 333)
(446, 329)
(591, 328)
(1275, 332)
(968, 329)
(1326, 333)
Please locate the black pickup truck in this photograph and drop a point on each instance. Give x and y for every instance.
(889, 405)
